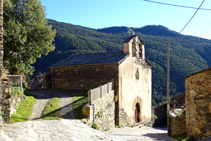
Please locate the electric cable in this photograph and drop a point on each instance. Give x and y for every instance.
(176, 5)
(188, 21)
(206, 29)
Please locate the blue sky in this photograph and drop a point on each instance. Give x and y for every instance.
(132, 13)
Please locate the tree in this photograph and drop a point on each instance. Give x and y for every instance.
(27, 35)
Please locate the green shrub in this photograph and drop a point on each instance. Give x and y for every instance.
(16, 92)
(116, 126)
(100, 114)
(24, 84)
(181, 137)
(95, 126)
(3, 115)
(153, 116)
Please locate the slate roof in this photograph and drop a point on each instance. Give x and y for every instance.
(198, 72)
(92, 58)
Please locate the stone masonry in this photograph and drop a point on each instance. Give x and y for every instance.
(102, 111)
(198, 104)
(1, 54)
(6, 99)
(84, 77)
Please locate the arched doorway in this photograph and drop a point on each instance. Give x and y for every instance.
(137, 113)
(137, 110)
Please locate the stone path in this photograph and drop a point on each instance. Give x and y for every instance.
(39, 105)
(70, 129)
(75, 130)
(65, 103)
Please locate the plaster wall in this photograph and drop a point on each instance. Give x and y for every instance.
(133, 90)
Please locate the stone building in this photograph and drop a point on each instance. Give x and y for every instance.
(128, 69)
(198, 104)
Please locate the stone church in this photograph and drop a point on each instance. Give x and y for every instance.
(128, 69)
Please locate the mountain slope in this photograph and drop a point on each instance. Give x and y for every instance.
(188, 54)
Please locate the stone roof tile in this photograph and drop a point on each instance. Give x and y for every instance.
(92, 58)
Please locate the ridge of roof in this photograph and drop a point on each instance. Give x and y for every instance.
(131, 37)
(198, 72)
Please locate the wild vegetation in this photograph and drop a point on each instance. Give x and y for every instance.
(26, 35)
(24, 110)
(188, 54)
(51, 110)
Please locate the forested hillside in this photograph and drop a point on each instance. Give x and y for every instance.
(188, 54)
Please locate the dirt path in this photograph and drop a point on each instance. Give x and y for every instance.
(39, 106)
(65, 103)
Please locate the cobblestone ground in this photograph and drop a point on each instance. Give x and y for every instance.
(75, 130)
(69, 129)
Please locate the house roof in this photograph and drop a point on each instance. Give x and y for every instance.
(92, 58)
(131, 37)
(198, 72)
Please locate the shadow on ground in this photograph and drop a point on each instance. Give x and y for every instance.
(47, 94)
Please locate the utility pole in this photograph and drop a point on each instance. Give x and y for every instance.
(168, 104)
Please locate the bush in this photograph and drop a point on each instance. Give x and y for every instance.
(153, 116)
(95, 126)
(16, 92)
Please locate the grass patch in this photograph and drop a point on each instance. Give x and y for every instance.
(181, 137)
(24, 111)
(78, 103)
(51, 110)
(79, 99)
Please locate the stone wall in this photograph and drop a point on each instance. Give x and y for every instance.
(84, 77)
(6, 99)
(47, 80)
(123, 118)
(161, 113)
(178, 101)
(198, 104)
(161, 110)
(102, 111)
(1, 55)
(177, 121)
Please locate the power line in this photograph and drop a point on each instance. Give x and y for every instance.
(168, 74)
(206, 29)
(189, 20)
(176, 5)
